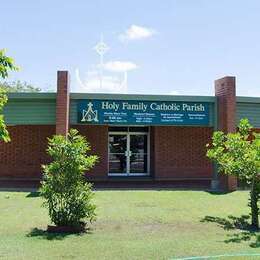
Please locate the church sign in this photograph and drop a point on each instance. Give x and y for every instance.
(131, 112)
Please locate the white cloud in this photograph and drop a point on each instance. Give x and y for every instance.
(120, 66)
(91, 83)
(136, 32)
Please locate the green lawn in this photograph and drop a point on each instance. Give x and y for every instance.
(132, 225)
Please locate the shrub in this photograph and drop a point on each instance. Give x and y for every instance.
(239, 155)
(66, 193)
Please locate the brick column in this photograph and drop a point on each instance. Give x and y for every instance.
(225, 92)
(62, 103)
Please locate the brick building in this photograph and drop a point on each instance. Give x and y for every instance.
(140, 139)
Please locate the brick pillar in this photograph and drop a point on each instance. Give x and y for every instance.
(62, 103)
(225, 92)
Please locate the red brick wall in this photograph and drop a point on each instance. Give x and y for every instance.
(24, 155)
(176, 152)
(152, 151)
(97, 136)
(62, 103)
(225, 91)
(179, 152)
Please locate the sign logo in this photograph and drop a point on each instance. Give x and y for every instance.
(89, 115)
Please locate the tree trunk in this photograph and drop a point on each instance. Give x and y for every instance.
(253, 204)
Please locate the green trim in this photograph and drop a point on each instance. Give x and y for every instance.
(210, 99)
(40, 95)
(248, 99)
(48, 95)
(209, 126)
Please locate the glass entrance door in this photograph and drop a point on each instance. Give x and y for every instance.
(118, 154)
(128, 154)
(138, 157)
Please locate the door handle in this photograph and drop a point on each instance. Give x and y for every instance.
(128, 153)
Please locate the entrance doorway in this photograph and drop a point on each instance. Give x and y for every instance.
(128, 151)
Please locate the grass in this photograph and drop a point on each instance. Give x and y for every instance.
(132, 225)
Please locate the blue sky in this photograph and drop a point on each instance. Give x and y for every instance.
(172, 46)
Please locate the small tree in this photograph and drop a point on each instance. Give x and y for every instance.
(66, 193)
(6, 64)
(238, 154)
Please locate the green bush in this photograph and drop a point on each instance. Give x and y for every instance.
(66, 193)
(238, 154)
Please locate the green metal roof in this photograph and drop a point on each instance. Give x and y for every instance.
(248, 99)
(30, 109)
